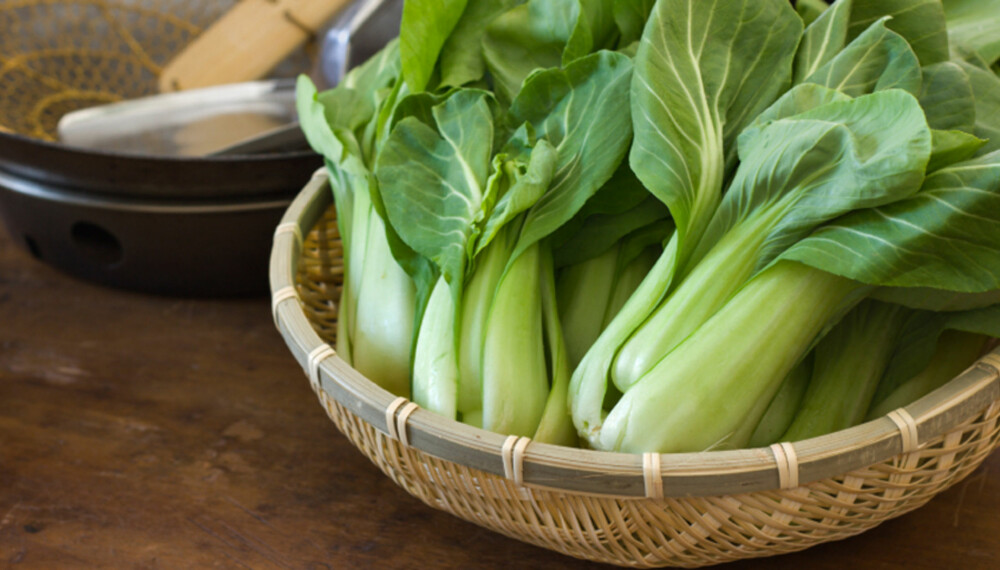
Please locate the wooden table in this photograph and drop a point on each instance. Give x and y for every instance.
(151, 432)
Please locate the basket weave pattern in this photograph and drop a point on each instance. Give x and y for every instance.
(646, 532)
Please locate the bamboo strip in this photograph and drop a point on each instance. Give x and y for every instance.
(247, 42)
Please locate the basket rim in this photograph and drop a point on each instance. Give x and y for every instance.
(602, 473)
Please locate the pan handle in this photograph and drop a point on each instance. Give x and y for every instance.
(247, 42)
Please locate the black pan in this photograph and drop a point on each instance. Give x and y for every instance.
(204, 247)
(198, 226)
(133, 175)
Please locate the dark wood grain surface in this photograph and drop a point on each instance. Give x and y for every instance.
(151, 432)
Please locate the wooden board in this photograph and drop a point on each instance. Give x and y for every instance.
(150, 432)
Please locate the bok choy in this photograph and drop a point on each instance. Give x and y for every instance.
(653, 225)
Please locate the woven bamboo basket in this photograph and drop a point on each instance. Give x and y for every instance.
(649, 510)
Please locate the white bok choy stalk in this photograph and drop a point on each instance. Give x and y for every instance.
(482, 216)
(782, 408)
(602, 256)
(377, 294)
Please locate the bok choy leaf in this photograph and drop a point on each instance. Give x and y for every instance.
(822, 40)
(920, 22)
(424, 29)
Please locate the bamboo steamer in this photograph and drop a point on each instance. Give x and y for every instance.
(649, 510)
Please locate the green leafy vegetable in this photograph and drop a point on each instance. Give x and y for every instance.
(700, 77)
(947, 226)
(974, 27)
(377, 291)
(783, 407)
(630, 17)
(462, 60)
(947, 98)
(433, 206)
(949, 147)
(986, 89)
(823, 39)
(528, 37)
(876, 60)
(795, 174)
(425, 28)
(953, 353)
(576, 110)
(849, 362)
(811, 10)
(805, 230)
(732, 358)
(921, 22)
